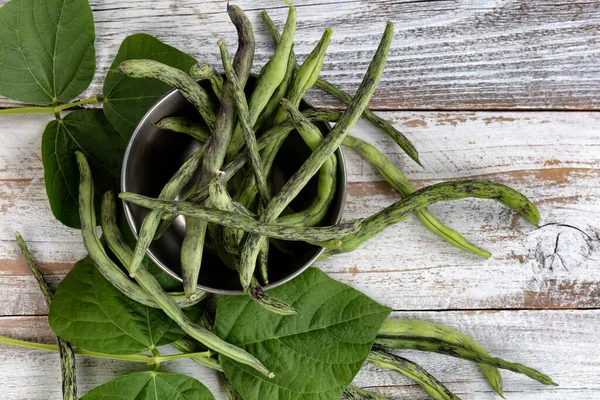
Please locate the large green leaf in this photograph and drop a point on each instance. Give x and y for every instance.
(150, 386)
(89, 312)
(46, 50)
(90, 132)
(314, 355)
(126, 99)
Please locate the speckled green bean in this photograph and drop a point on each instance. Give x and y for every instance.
(176, 78)
(67, 357)
(202, 71)
(413, 371)
(118, 245)
(270, 77)
(326, 189)
(406, 328)
(246, 124)
(314, 162)
(147, 282)
(355, 393)
(369, 115)
(436, 346)
(398, 180)
(183, 125)
(269, 229)
(446, 191)
(193, 244)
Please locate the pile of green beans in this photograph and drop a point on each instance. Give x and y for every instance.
(232, 204)
(226, 192)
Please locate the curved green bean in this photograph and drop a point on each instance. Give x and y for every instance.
(118, 245)
(147, 282)
(67, 357)
(202, 71)
(171, 189)
(244, 121)
(394, 328)
(424, 197)
(270, 77)
(314, 162)
(183, 125)
(413, 371)
(175, 78)
(200, 193)
(188, 345)
(397, 136)
(193, 243)
(396, 178)
(105, 265)
(326, 189)
(436, 346)
(355, 393)
(269, 229)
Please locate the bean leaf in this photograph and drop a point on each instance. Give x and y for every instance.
(126, 99)
(90, 132)
(46, 50)
(150, 386)
(315, 354)
(90, 313)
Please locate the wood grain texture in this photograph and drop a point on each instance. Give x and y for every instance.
(552, 157)
(450, 54)
(562, 344)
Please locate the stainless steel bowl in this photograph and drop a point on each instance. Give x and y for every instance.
(153, 155)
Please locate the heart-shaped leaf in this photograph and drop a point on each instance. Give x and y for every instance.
(90, 313)
(46, 50)
(126, 99)
(150, 386)
(315, 354)
(90, 132)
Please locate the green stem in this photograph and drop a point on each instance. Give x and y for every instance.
(156, 355)
(156, 359)
(50, 109)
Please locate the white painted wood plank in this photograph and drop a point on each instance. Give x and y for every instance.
(484, 54)
(561, 343)
(552, 157)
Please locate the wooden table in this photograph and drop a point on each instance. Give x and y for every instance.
(506, 90)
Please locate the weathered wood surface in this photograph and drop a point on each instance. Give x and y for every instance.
(451, 54)
(563, 344)
(552, 157)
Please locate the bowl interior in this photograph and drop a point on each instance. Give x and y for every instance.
(154, 155)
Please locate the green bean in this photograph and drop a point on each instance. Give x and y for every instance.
(232, 393)
(244, 121)
(198, 195)
(393, 328)
(171, 189)
(183, 125)
(193, 243)
(270, 77)
(263, 262)
(270, 229)
(326, 188)
(273, 104)
(436, 346)
(118, 245)
(256, 292)
(396, 178)
(173, 77)
(105, 265)
(355, 393)
(202, 71)
(188, 345)
(424, 197)
(67, 357)
(314, 162)
(397, 136)
(148, 283)
(413, 371)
